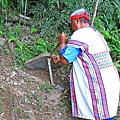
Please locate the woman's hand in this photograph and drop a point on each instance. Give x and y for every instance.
(61, 59)
(63, 38)
(56, 59)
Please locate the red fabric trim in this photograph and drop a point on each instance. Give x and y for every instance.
(84, 15)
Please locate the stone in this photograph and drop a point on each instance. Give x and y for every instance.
(2, 41)
(40, 62)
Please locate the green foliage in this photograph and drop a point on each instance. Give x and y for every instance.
(18, 110)
(51, 17)
(63, 102)
(39, 100)
(1, 110)
(2, 32)
(110, 10)
(46, 87)
(113, 40)
(26, 51)
(40, 46)
(108, 15)
(4, 3)
(23, 100)
(34, 30)
(14, 33)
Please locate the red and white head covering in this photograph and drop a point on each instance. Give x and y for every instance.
(81, 13)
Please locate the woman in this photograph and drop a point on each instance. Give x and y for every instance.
(94, 81)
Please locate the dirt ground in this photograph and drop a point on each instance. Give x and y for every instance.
(28, 95)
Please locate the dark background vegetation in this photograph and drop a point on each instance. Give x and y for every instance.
(48, 18)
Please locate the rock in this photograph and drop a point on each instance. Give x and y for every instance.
(40, 62)
(2, 41)
(60, 87)
(12, 74)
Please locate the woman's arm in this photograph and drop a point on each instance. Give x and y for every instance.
(62, 59)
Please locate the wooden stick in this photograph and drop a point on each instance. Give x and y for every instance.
(84, 1)
(95, 12)
(25, 17)
(50, 71)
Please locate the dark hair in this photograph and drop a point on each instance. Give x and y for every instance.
(85, 20)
